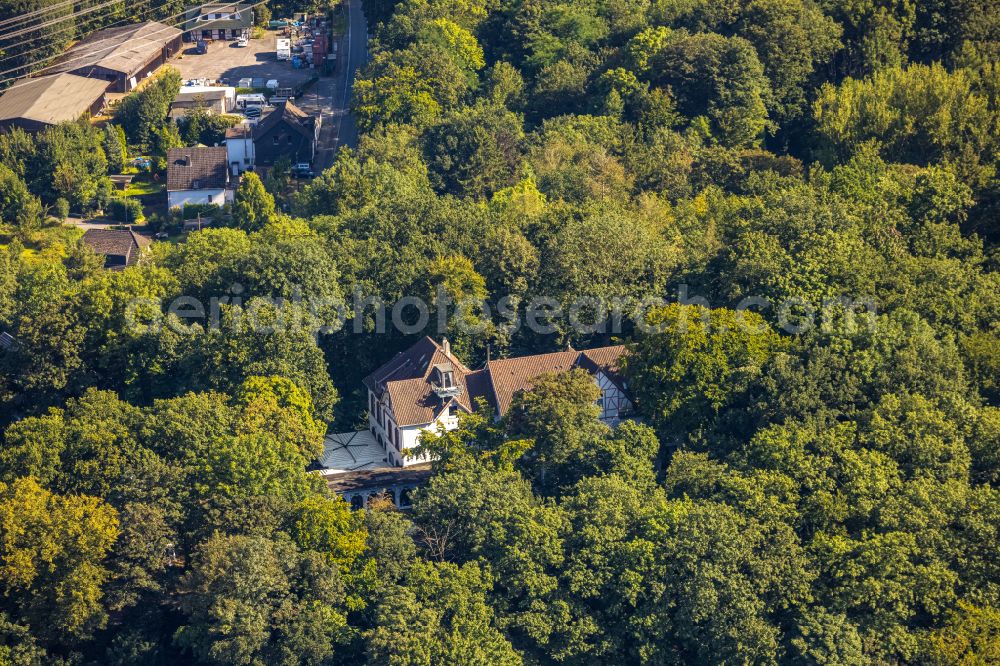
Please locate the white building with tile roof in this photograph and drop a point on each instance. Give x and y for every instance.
(426, 388)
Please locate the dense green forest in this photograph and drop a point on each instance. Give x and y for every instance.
(815, 481)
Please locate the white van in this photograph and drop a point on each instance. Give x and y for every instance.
(250, 100)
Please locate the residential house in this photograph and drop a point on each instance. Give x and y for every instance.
(35, 104)
(240, 148)
(120, 247)
(197, 175)
(122, 56)
(427, 388)
(219, 20)
(288, 131)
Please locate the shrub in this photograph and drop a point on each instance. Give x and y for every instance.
(61, 209)
(124, 210)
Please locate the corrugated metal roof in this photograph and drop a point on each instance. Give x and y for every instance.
(51, 99)
(127, 49)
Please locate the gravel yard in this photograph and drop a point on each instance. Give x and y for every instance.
(225, 60)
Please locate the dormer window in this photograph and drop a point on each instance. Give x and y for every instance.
(443, 381)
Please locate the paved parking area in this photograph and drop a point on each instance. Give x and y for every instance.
(224, 60)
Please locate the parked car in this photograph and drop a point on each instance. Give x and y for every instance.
(202, 47)
(302, 170)
(242, 41)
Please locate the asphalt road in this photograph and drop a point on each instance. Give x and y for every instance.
(331, 96)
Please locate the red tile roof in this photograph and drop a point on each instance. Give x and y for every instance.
(607, 360)
(409, 378)
(510, 375)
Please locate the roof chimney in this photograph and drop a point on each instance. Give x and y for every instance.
(446, 346)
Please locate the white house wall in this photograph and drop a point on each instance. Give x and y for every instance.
(409, 436)
(217, 197)
(239, 154)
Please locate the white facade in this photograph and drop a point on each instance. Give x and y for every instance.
(218, 197)
(396, 440)
(240, 153)
(283, 49)
(249, 100)
(228, 91)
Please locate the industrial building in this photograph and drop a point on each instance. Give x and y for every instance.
(121, 56)
(35, 104)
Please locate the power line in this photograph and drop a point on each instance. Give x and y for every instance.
(149, 12)
(111, 48)
(21, 54)
(71, 27)
(88, 10)
(100, 53)
(32, 14)
(22, 18)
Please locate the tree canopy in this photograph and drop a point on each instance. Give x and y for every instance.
(784, 211)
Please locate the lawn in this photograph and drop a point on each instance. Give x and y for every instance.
(142, 188)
